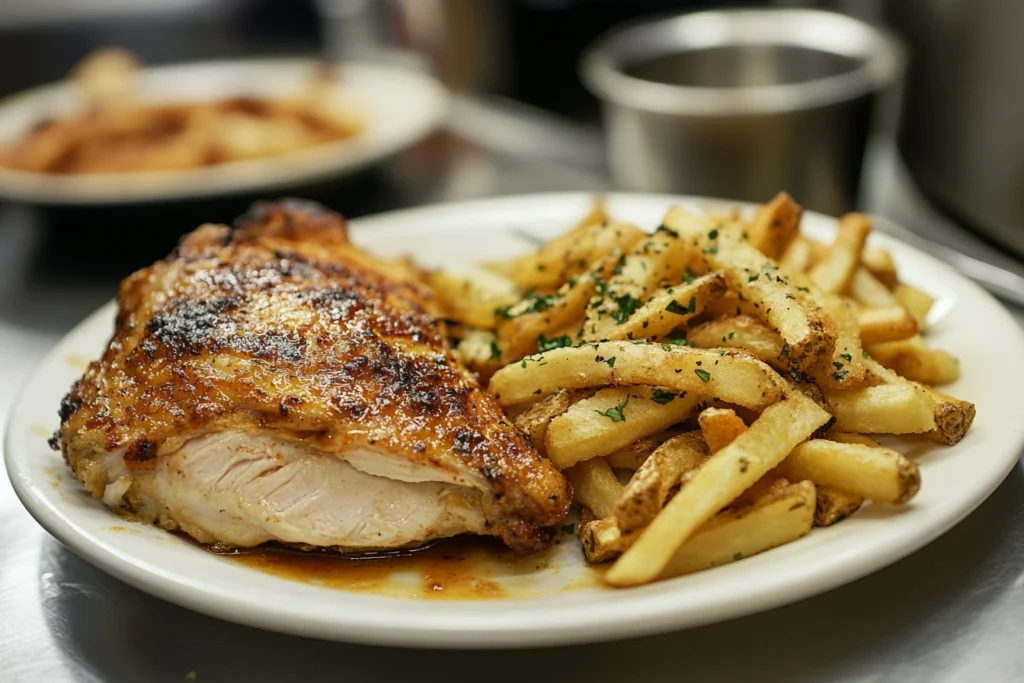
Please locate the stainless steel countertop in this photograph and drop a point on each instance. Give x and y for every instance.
(949, 612)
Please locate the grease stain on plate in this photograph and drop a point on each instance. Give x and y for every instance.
(454, 569)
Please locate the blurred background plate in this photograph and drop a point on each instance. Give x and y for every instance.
(400, 106)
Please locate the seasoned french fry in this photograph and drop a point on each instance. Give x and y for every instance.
(892, 323)
(721, 479)
(611, 419)
(631, 457)
(595, 485)
(775, 226)
(670, 307)
(846, 369)
(914, 359)
(879, 263)
(741, 332)
(520, 332)
(479, 352)
(776, 519)
(535, 421)
(731, 376)
(868, 291)
(803, 326)
(602, 540)
(659, 258)
(472, 295)
(917, 303)
(880, 474)
(834, 271)
(720, 427)
(833, 506)
(650, 487)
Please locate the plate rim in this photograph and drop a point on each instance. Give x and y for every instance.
(333, 159)
(449, 630)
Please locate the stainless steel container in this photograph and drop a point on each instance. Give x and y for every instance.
(963, 117)
(742, 103)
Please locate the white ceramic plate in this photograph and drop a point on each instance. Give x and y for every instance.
(966, 320)
(400, 107)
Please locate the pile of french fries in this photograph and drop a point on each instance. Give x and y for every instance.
(711, 389)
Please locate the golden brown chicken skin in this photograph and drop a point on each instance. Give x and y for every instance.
(280, 326)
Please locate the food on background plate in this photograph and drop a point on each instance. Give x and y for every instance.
(115, 129)
(272, 382)
(728, 369)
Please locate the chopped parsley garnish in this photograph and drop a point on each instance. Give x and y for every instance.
(626, 306)
(847, 356)
(841, 374)
(785, 349)
(495, 350)
(662, 397)
(796, 375)
(704, 375)
(690, 275)
(611, 362)
(677, 308)
(711, 250)
(737, 556)
(753, 277)
(731, 335)
(537, 303)
(713, 235)
(863, 353)
(545, 344)
(665, 228)
(837, 365)
(804, 289)
(616, 413)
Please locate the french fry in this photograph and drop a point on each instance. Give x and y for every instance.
(797, 257)
(472, 295)
(891, 323)
(720, 427)
(885, 409)
(879, 263)
(659, 258)
(611, 419)
(731, 376)
(741, 332)
(602, 540)
(914, 359)
(834, 271)
(631, 457)
(776, 519)
(595, 485)
(850, 437)
(917, 303)
(868, 291)
(846, 368)
(802, 325)
(880, 474)
(535, 421)
(670, 307)
(650, 487)
(519, 333)
(951, 417)
(724, 476)
(833, 506)
(479, 352)
(775, 226)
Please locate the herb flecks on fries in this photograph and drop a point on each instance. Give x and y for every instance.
(709, 387)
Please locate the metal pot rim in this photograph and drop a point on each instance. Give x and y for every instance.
(880, 53)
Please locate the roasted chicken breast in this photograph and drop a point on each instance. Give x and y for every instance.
(272, 382)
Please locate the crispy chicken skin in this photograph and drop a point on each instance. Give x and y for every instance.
(280, 329)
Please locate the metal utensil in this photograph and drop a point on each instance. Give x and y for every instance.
(742, 103)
